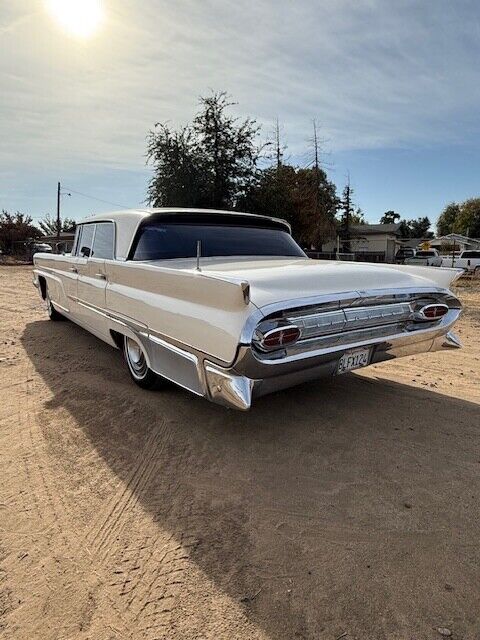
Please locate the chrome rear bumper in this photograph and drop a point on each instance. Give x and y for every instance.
(231, 388)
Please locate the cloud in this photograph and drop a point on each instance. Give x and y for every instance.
(374, 73)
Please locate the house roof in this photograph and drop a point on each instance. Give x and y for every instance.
(415, 242)
(457, 237)
(369, 229)
(64, 235)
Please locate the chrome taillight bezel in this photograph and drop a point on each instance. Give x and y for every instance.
(422, 314)
(288, 334)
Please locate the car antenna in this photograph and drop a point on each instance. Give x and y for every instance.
(199, 253)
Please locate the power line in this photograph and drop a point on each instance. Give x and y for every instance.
(85, 195)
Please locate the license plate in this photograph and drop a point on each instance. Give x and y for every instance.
(354, 359)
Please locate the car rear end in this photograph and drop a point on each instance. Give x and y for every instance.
(289, 343)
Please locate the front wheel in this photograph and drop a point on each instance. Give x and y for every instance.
(137, 365)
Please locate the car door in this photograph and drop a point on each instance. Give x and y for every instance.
(70, 275)
(96, 246)
(62, 281)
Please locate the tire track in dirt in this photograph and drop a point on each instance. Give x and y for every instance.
(114, 517)
(147, 563)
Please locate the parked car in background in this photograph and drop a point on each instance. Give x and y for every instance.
(427, 258)
(41, 247)
(404, 253)
(467, 260)
(228, 306)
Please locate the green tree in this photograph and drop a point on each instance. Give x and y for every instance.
(178, 178)
(315, 207)
(420, 228)
(49, 225)
(468, 220)
(228, 148)
(347, 211)
(272, 192)
(405, 230)
(209, 163)
(390, 217)
(16, 228)
(447, 220)
(303, 197)
(358, 217)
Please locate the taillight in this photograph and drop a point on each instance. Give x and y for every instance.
(432, 312)
(279, 337)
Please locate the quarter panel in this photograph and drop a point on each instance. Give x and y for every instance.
(205, 313)
(61, 281)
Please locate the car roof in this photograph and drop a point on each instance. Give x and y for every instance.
(128, 221)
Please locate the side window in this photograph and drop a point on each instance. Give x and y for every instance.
(103, 243)
(86, 240)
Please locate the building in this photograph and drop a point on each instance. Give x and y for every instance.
(454, 241)
(64, 245)
(372, 242)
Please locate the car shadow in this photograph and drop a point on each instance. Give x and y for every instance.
(335, 507)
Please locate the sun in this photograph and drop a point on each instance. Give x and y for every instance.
(80, 18)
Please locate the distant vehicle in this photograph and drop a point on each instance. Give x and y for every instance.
(428, 258)
(40, 247)
(468, 260)
(404, 253)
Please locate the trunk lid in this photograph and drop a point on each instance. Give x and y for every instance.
(282, 279)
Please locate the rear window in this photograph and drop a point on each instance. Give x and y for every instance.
(165, 241)
(425, 254)
(471, 254)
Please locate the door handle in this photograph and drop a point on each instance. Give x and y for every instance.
(102, 276)
(73, 269)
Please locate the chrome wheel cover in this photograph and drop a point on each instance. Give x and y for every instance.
(135, 358)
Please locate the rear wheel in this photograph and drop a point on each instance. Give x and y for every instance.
(137, 365)
(52, 312)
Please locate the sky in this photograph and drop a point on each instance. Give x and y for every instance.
(394, 86)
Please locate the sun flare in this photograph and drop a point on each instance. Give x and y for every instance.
(80, 18)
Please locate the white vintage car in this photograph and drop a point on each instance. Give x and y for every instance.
(228, 306)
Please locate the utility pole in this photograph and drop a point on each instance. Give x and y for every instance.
(347, 211)
(58, 212)
(315, 145)
(278, 147)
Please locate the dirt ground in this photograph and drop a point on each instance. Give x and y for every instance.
(339, 509)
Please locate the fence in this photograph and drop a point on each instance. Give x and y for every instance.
(357, 256)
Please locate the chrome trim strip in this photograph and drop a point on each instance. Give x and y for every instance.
(59, 306)
(129, 322)
(90, 307)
